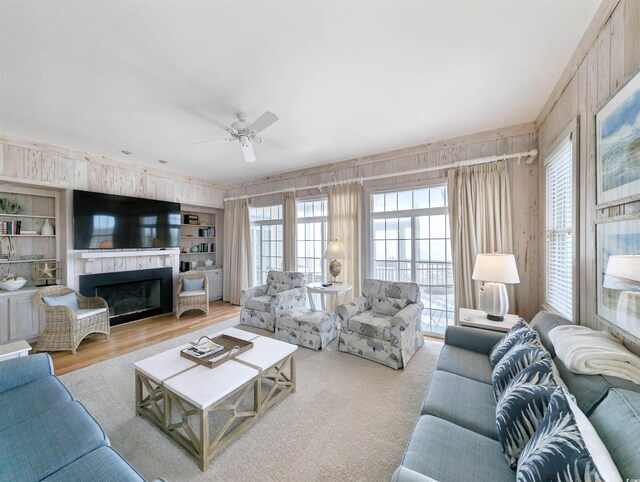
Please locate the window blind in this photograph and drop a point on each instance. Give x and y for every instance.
(560, 229)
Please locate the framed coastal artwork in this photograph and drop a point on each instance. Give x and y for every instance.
(618, 146)
(618, 270)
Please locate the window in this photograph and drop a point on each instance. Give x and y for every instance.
(266, 241)
(560, 229)
(311, 238)
(411, 242)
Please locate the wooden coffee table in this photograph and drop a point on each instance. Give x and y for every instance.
(187, 400)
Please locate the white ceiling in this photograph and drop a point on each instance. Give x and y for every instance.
(347, 79)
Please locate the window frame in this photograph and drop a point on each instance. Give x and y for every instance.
(324, 220)
(268, 222)
(569, 134)
(369, 216)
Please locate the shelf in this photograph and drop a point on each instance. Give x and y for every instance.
(191, 254)
(199, 225)
(10, 261)
(198, 237)
(28, 235)
(25, 216)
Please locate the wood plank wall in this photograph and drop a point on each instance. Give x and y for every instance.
(524, 190)
(612, 60)
(39, 164)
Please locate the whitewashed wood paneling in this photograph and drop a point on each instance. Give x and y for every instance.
(524, 190)
(612, 59)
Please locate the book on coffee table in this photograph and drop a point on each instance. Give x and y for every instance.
(204, 348)
(212, 352)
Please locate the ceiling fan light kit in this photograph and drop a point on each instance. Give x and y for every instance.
(243, 132)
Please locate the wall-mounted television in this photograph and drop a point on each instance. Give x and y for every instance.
(107, 221)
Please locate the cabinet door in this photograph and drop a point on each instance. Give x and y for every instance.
(4, 319)
(217, 285)
(24, 320)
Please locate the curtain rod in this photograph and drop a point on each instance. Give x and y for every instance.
(530, 156)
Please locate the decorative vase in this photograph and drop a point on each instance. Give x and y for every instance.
(46, 229)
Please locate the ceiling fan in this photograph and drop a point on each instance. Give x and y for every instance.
(243, 131)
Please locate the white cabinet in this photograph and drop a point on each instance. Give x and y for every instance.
(20, 317)
(4, 319)
(214, 277)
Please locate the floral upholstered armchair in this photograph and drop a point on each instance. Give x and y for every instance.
(261, 305)
(384, 324)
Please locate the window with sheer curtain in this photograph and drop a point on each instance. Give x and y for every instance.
(411, 242)
(311, 238)
(560, 235)
(266, 241)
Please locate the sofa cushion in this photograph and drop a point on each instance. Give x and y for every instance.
(371, 324)
(31, 399)
(617, 421)
(192, 284)
(42, 445)
(517, 359)
(388, 306)
(277, 287)
(302, 319)
(447, 452)
(101, 465)
(70, 300)
(522, 406)
(466, 363)
(260, 303)
(465, 402)
(557, 451)
(543, 323)
(517, 333)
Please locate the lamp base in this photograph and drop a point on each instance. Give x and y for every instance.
(495, 318)
(494, 300)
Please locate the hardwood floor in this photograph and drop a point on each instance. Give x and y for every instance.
(138, 334)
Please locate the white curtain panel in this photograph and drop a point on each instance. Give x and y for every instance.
(345, 207)
(480, 219)
(289, 245)
(237, 250)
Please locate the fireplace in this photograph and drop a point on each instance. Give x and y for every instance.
(132, 295)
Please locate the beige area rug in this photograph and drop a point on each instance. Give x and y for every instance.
(349, 420)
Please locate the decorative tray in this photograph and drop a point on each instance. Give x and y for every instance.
(214, 351)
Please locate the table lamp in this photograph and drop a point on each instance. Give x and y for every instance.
(623, 274)
(335, 251)
(495, 270)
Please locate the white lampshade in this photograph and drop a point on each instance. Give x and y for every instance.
(498, 268)
(623, 273)
(335, 250)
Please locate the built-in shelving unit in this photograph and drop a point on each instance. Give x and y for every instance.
(20, 318)
(206, 247)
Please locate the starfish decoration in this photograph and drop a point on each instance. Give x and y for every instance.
(48, 271)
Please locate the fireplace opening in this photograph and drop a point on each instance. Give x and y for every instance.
(132, 295)
(134, 300)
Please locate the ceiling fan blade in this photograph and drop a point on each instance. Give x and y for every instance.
(264, 121)
(217, 122)
(247, 152)
(220, 139)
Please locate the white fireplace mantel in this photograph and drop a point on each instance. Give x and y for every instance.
(89, 255)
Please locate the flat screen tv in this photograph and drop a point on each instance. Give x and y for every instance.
(107, 221)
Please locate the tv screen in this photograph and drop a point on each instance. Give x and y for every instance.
(107, 221)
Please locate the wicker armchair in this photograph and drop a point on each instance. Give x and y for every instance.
(65, 328)
(192, 300)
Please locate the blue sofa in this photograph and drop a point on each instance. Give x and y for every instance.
(46, 435)
(455, 437)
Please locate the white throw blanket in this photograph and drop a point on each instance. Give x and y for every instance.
(584, 350)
